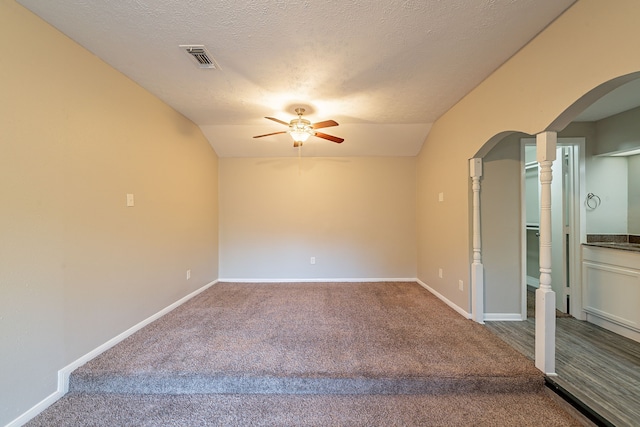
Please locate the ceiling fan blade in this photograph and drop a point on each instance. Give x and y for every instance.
(277, 120)
(329, 137)
(325, 124)
(269, 134)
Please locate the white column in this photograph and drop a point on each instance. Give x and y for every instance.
(545, 297)
(477, 269)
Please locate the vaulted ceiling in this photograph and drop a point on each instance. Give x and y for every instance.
(385, 70)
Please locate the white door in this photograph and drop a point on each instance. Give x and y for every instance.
(561, 227)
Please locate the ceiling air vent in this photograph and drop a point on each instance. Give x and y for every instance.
(199, 54)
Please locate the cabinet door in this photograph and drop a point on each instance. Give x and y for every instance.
(612, 292)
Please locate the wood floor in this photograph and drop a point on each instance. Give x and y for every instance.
(598, 367)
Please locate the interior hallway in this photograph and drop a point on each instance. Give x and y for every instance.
(599, 368)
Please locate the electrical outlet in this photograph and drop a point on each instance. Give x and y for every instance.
(188, 274)
(312, 260)
(460, 285)
(441, 197)
(440, 273)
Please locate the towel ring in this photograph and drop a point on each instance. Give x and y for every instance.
(592, 201)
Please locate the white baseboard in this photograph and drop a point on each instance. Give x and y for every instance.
(445, 300)
(64, 373)
(503, 317)
(36, 409)
(533, 281)
(613, 325)
(332, 280)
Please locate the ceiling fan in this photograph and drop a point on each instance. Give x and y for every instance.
(301, 129)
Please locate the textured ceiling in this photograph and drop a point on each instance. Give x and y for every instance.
(385, 70)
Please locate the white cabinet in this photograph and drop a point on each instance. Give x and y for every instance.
(611, 289)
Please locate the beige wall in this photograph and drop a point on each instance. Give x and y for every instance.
(356, 216)
(77, 267)
(587, 46)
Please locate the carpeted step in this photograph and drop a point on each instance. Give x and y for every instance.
(249, 384)
(301, 338)
(520, 409)
(327, 354)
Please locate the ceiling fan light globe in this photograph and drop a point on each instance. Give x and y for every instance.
(299, 135)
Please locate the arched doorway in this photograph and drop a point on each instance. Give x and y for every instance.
(500, 156)
(612, 135)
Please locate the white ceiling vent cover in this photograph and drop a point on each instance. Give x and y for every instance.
(200, 56)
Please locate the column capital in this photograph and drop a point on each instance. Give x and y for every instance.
(475, 167)
(546, 143)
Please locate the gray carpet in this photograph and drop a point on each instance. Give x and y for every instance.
(309, 354)
(522, 409)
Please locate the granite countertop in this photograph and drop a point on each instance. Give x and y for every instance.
(633, 247)
(614, 241)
